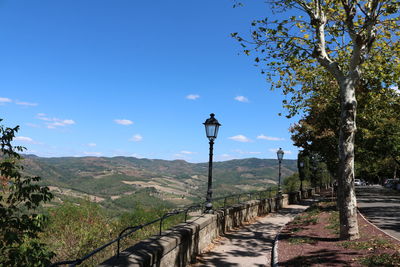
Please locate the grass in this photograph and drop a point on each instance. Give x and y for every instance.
(370, 245)
(384, 260)
(372, 250)
(333, 222)
(301, 240)
(296, 229)
(306, 219)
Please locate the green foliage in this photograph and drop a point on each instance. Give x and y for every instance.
(334, 223)
(289, 48)
(292, 183)
(20, 198)
(377, 142)
(76, 229)
(307, 218)
(329, 45)
(374, 244)
(142, 198)
(120, 183)
(301, 240)
(290, 52)
(384, 260)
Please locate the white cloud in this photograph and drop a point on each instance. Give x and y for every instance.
(53, 123)
(25, 139)
(123, 121)
(241, 98)
(92, 144)
(4, 100)
(187, 152)
(68, 122)
(60, 123)
(32, 125)
(192, 97)
(240, 138)
(181, 156)
(28, 104)
(95, 154)
(136, 138)
(247, 152)
(269, 138)
(224, 157)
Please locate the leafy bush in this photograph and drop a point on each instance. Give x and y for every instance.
(20, 198)
(292, 183)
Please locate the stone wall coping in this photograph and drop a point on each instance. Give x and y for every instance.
(151, 250)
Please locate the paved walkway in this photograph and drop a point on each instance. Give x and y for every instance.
(250, 245)
(381, 206)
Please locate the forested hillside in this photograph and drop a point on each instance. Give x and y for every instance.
(121, 183)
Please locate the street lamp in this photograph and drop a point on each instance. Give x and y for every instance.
(280, 153)
(212, 126)
(301, 174)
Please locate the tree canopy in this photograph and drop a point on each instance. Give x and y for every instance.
(320, 51)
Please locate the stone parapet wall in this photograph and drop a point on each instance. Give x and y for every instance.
(180, 245)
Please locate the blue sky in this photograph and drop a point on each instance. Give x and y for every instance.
(136, 78)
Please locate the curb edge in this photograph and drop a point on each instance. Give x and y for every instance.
(274, 252)
(383, 231)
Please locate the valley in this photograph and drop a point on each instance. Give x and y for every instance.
(120, 184)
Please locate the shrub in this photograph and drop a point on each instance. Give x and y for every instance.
(20, 199)
(75, 229)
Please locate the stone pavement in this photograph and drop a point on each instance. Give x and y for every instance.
(250, 245)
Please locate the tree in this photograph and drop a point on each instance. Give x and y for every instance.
(378, 122)
(304, 171)
(19, 198)
(339, 35)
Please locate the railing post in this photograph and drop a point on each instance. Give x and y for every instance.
(161, 221)
(118, 248)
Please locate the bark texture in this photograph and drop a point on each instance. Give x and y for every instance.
(347, 80)
(346, 194)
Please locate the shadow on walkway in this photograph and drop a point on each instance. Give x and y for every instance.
(250, 245)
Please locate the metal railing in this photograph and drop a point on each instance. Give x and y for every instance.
(237, 199)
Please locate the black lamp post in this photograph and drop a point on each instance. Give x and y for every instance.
(212, 126)
(301, 174)
(280, 153)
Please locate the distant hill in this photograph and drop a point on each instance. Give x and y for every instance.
(121, 182)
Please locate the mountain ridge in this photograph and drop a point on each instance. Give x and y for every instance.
(120, 182)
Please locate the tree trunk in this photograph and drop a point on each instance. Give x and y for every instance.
(346, 194)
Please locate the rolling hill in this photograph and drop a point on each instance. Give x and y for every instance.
(120, 183)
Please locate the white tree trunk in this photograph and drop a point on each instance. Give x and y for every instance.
(346, 194)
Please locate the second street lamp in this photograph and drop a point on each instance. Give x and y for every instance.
(301, 176)
(280, 153)
(212, 126)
